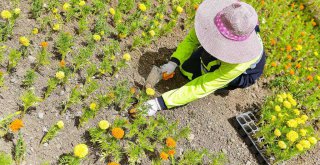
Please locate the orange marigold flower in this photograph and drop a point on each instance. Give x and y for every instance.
(113, 163)
(310, 78)
(62, 63)
(195, 6)
(292, 5)
(171, 142)
(289, 57)
(273, 41)
(301, 7)
(303, 33)
(289, 48)
(312, 37)
(313, 23)
(117, 133)
(298, 66)
(171, 152)
(274, 64)
(44, 44)
(133, 90)
(300, 40)
(16, 125)
(291, 72)
(262, 2)
(164, 156)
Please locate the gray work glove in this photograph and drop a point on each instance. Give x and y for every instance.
(168, 67)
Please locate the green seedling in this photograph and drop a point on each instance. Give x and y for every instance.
(29, 78)
(13, 58)
(29, 99)
(19, 150)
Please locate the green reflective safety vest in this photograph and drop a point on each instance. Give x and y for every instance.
(208, 82)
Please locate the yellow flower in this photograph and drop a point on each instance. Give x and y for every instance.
(289, 95)
(287, 104)
(66, 6)
(60, 124)
(104, 124)
(292, 136)
(17, 11)
(273, 118)
(102, 33)
(24, 41)
(56, 27)
(81, 150)
(82, 3)
(303, 132)
(298, 48)
(305, 143)
(152, 33)
(296, 112)
(127, 57)
(97, 37)
(299, 147)
(60, 75)
(55, 10)
(315, 53)
(5, 14)
(142, 7)
(179, 9)
(35, 31)
(113, 57)
(282, 145)
(93, 106)
(280, 115)
(292, 101)
(304, 117)
(284, 95)
(280, 99)
(150, 91)
(292, 123)
(277, 132)
(300, 121)
(277, 108)
(112, 11)
(312, 140)
(113, 163)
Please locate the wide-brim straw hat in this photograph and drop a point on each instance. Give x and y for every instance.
(226, 30)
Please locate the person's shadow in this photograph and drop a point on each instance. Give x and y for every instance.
(162, 56)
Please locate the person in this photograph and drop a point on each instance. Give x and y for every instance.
(223, 50)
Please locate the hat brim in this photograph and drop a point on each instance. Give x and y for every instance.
(215, 43)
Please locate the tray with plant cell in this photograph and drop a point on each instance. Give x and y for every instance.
(247, 127)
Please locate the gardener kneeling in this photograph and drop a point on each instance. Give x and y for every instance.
(224, 50)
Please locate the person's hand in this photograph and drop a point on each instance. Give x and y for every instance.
(152, 107)
(169, 67)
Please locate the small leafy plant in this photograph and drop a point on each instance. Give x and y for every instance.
(19, 150)
(29, 99)
(52, 132)
(63, 44)
(13, 59)
(29, 78)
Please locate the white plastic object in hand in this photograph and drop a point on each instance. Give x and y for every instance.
(153, 107)
(168, 67)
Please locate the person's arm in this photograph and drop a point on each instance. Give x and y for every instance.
(204, 85)
(186, 48)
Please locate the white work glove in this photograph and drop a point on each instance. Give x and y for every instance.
(152, 107)
(168, 67)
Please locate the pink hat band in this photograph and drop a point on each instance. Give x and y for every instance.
(236, 22)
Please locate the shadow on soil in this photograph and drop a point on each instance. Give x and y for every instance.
(162, 56)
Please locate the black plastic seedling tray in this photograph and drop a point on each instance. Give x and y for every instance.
(246, 124)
